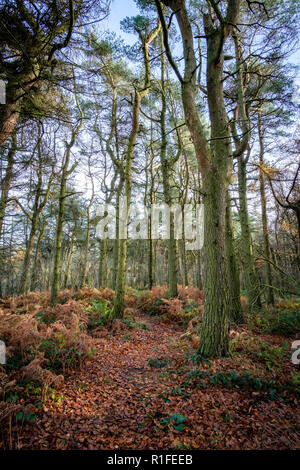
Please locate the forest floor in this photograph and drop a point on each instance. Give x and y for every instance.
(142, 390)
(119, 401)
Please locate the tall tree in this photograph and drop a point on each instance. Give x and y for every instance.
(214, 158)
(141, 26)
(66, 171)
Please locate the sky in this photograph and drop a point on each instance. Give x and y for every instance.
(121, 8)
(118, 11)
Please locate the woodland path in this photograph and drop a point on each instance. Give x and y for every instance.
(118, 401)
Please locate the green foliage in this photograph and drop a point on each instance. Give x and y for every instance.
(45, 317)
(134, 23)
(246, 380)
(175, 391)
(16, 361)
(145, 5)
(65, 299)
(26, 416)
(138, 325)
(201, 378)
(284, 320)
(127, 336)
(262, 351)
(156, 307)
(159, 363)
(32, 388)
(295, 380)
(59, 354)
(55, 397)
(287, 324)
(99, 313)
(176, 420)
(190, 307)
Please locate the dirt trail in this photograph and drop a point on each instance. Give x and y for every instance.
(119, 401)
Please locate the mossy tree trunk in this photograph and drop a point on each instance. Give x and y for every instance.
(150, 197)
(263, 202)
(103, 263)
(117, 239)
(236, 313)
(242, 119)
(7, 180)
(88, 231)
(214, 162)
(34, 275)
(166, 167)
(247, 257)
(69, 260)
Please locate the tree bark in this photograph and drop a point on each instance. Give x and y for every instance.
(214, 162)
(7, 180)
(251, 283)
(263, 202)
(234, 281)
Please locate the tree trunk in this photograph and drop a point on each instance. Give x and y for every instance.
(166, 168)
(246, 242)
(7, 180)
(103, 263)
(40, 201)
(183, 252)
(214, 163)
(62, 197)
(8, 122)
(214, 339)
(117, 239)
(59, 232)
(121, 274)
(69, 262)
(234, 281)
(26, 264)
(118, 308)
(267, 251)
(34, 275)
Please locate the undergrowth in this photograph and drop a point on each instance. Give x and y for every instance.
(283, 319)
